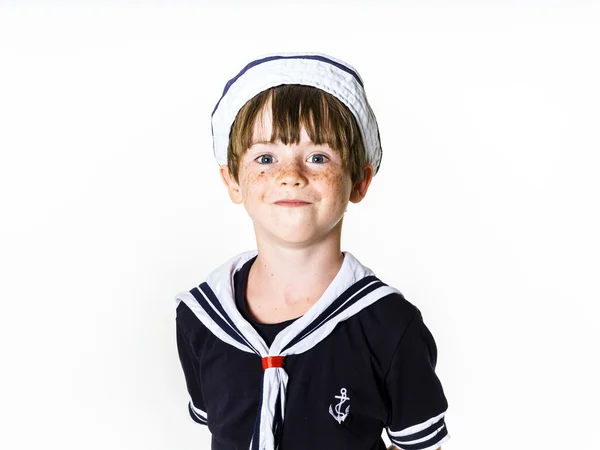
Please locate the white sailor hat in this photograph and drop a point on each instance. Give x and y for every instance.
(312, 69)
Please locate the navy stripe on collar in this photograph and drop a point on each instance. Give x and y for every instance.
(338, 305)
(225, 321)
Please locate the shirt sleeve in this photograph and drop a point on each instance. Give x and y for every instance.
(417, 401)
(190, 366)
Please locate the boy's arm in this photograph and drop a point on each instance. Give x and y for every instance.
(190, 366)
(417, 401)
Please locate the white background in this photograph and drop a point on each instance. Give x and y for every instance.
(485, 212)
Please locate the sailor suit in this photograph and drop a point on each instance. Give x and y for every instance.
(358, 361)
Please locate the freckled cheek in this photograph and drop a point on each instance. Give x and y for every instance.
(335, 185)
(252, 185)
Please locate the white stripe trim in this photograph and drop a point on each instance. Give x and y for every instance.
(416, 428)
(435, 446)
(201, 414)
(423, 439)
(196, 421)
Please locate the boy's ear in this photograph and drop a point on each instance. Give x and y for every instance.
(232, 186)
(359, 190)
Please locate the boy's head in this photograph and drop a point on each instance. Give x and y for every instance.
(296, 140)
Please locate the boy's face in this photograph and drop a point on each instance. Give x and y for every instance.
(295, 193)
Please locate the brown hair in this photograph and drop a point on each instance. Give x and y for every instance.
(326, 120)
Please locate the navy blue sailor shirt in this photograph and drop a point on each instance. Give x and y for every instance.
(375, 371)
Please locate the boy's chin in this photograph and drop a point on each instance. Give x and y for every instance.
(291, 237)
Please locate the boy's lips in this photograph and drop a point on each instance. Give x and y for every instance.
(291, 203)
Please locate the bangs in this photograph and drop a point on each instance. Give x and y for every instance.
(325, 118)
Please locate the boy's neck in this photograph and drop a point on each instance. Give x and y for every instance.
(283, 276)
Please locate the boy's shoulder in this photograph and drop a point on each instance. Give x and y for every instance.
(393, 311)
(385, 321)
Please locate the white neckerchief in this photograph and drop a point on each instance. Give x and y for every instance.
(354, 288)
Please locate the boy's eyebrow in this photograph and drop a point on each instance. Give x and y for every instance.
(276, 143)
(270, 143)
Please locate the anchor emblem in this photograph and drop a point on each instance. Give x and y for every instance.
(339, 416)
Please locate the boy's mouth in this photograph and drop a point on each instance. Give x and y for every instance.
(291, 203)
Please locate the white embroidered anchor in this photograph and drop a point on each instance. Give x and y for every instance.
(339, 416)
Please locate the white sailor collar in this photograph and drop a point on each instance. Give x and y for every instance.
(354, 288)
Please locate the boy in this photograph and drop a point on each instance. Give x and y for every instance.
(298, 345)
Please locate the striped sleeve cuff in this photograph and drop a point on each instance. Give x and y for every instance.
(429, 435)
(197, 414)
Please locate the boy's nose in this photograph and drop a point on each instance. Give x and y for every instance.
(292, 175)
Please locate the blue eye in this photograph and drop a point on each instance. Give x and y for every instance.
(321, 159)
(261, 159)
